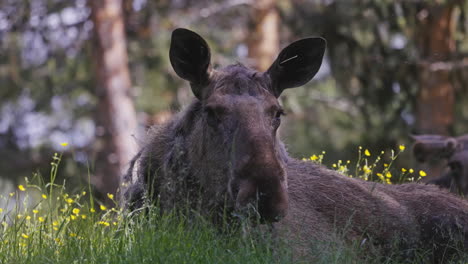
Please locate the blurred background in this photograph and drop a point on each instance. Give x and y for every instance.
(96, 75)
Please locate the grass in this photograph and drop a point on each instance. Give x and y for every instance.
(72, 232)
(42, 223)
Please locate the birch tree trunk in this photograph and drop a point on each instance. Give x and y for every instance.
(264, 41)
(115, 117)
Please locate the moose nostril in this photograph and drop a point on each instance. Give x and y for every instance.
(245, 193)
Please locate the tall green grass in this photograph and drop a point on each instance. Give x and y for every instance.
(43, 223)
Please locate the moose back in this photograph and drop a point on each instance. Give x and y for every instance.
(222, 154)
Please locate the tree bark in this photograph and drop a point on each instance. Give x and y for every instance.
(436, 96)
(115, 117)
(264, 41)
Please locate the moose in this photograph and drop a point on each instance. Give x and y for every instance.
(223, 157)
(450, 154)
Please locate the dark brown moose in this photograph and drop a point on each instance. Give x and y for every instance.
(450, 154)
(222, 154)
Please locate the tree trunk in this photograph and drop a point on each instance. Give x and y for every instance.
(115, 117)
(436, 96)
(264, 41)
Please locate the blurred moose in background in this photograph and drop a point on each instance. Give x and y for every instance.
(446, 160)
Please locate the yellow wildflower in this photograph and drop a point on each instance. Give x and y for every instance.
(24, 235)
(402, 147)
(73, 234)
(111, 196)
(411, 170)
(334, 165)
(367, 152)
(28, 217)
(72, 217)
(366, 169)
(55, 223)
(422, 173)
(403, 170)
(83, 216)
(76, 211)
(380, 175)
(104, 223)
(69, 200)
(314, 157)
(44, 196)
(11, 194)
(385, 165)
(64, 144)
(83, 193)
(388, 174)
(1, 210)
(41, 219)
(92, 210)
(102, 207)
(21, 188)
(35, 211)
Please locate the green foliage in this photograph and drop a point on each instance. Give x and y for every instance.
(374, 55)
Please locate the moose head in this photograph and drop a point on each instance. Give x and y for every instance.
(453, 151)
(239, 115)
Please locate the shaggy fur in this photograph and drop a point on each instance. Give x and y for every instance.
(221, 155)
(417, 216)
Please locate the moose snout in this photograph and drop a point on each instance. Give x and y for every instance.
(270, 200)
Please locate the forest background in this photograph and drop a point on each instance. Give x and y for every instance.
(96, 75)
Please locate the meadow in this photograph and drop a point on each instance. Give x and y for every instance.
(42, 223)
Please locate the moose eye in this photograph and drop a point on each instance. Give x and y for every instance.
(279, 113)
(455, 166)
(277, 119)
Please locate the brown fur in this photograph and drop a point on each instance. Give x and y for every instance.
(221, 155)
(417, 216)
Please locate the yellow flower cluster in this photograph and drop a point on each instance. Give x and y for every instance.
(60, 224)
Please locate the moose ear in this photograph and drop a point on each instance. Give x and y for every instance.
(296, 64)
(190, 57)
